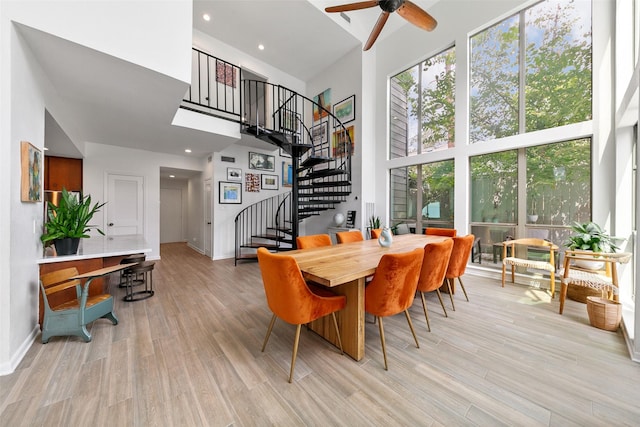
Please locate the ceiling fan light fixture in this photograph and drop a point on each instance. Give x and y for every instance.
(405, 8)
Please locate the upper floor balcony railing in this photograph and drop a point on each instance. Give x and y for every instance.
(215, 87)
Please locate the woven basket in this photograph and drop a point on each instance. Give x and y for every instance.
(603, 313)
(580, 293)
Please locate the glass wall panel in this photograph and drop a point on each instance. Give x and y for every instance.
(422, 106)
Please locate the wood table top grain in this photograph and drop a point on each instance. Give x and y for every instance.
(342, 263)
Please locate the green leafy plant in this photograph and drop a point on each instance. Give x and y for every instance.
(374, 222)
(590, 237)
(70, 219)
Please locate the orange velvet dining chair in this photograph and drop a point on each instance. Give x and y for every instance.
(434, 268)
(393, 289)
(290, 299)
(349, 236)
(458, 263)
(375, 232)
(313, 241)
(434, 231)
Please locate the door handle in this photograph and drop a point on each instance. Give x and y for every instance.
(209, 223)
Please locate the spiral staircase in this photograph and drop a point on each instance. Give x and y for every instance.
(320, 168)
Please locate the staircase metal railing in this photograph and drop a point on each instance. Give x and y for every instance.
(266, 223)
(319, 144)
(215, 87)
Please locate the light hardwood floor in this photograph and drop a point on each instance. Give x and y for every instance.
(190, 356)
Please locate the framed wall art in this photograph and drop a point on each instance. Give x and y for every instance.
(234, 174)
(345, 110)
(287, 173)
(31, 173)
(289, 121)
(260, 161)
(284, 153)
(321, 100)
(320, 133)
(230, 192)
(269, 182)
(339, 142)
(252, 182)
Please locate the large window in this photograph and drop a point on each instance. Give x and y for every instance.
(532, 71)
(554, 191)
(422, 106)
(422, 195)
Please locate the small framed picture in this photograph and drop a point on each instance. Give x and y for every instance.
(345, 110)
(230, 192)
(284, 153)
(260, 161)
(269, 182)
(31, 172)
(287, 173)
(320, 133)
(289, 120)
(234, 174)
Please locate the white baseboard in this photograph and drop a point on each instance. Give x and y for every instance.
(9, 367)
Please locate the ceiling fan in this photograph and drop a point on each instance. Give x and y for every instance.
(408, 10)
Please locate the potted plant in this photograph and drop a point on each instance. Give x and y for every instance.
(590, 237)
(68, 222)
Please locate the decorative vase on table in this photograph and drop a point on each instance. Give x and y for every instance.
(385, 238)
(338, 219)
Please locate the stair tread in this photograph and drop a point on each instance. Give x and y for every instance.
(322, 173)
(259, 245)
(324, 184)
(314, 160)
(318, 202)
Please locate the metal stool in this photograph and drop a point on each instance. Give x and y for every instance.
(145, 271)
(124, 274)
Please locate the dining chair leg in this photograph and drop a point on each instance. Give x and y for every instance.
(441, 302)
(384, 348)
(504, 273)
(335, 323)
(463, 289)
(424, 307)
(295, 351)
(273, 320)
(563, 296)
(453, 306)
(415, 338)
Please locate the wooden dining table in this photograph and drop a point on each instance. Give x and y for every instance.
(343, 268)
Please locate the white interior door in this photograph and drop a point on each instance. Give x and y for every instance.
(171, 221)
(124, 208)
(208, 250)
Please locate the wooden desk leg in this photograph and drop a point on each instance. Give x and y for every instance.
(350, 320)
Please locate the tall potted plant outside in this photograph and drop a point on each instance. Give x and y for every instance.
(68, 222)
(590, 237)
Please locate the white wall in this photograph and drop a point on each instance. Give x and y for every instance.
(21, 119)
(103, 159)
(344, 79)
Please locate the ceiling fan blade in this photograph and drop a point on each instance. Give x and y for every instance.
(351, 6)
(376, 30)
(418, 17)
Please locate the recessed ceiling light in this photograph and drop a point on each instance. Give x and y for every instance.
(172, 176)
(261, 46)
(45, 148)
(206, 17)
(188, 150)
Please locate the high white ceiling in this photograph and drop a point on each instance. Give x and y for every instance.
(106, 100)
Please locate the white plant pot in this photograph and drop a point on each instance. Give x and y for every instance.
(532, 218)
(589, 265)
